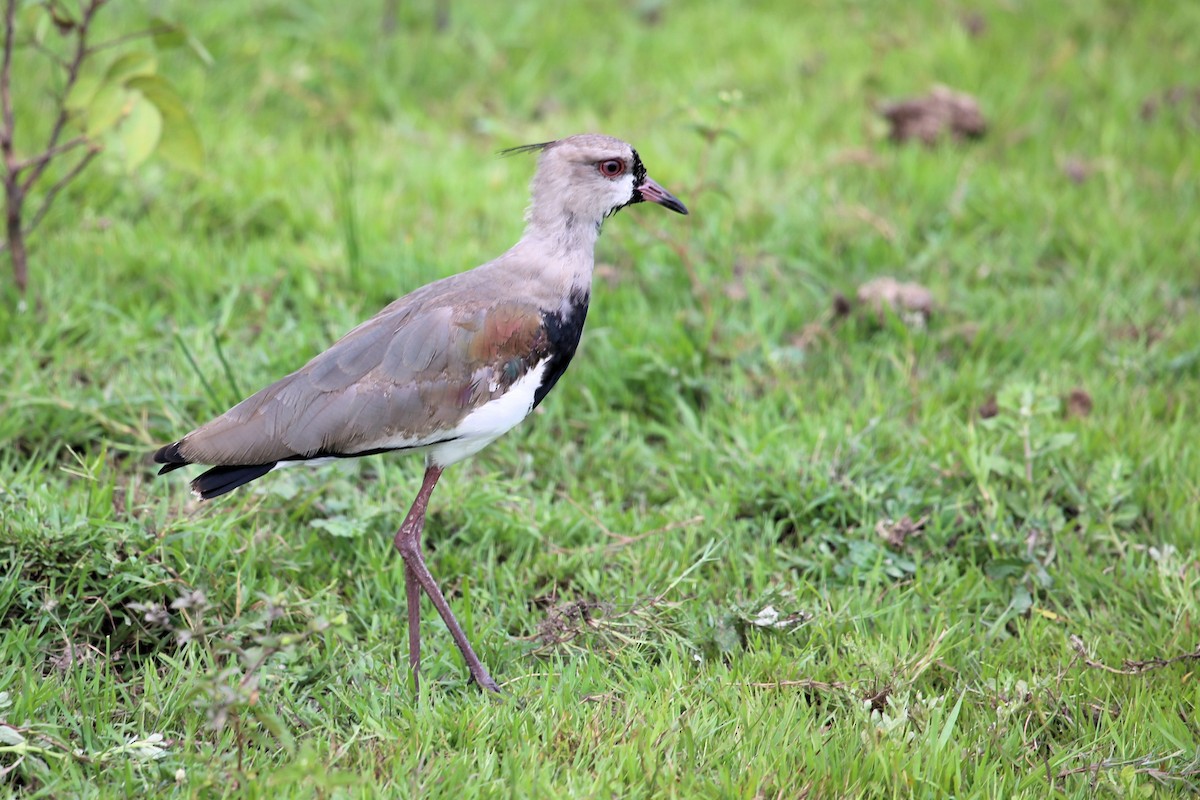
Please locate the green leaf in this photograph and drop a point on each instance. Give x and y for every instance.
(161, 93)
(339, 526)
(106, 108)
(11, 736)
(35, 17)
(1183, 363)
(62, 17)
(181, 145)
(130, 66)
(999, 465)
(167, 34)
(140, 133)
(948, 728)
(180, 141)
(1057, 441)
(270, 722)
(1000, 568)
(725, 635)
(1021, 600)
(83, 91)
(171, 35)
(1126, 515)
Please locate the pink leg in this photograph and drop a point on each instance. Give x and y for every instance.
(412, 589)
(408, 542)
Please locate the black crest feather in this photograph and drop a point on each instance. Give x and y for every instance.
(525, 148)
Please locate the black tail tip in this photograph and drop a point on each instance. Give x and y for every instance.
(221, 480)
(171, 457)
(215, 482)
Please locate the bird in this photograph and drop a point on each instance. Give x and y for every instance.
(444, 370)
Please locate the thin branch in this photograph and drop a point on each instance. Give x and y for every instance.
(12, 766)
(58, 60)
(58, 187)
(1131, 667)
(81, 51)
(129, 37)
(1146, 765)
(56, 744)
(48, 155)
(803, 683)
(6, 133)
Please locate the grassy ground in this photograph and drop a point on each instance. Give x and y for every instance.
(749, 547)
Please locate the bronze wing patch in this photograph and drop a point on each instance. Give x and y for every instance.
(407, 375)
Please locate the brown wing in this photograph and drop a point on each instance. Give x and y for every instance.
(407, 375)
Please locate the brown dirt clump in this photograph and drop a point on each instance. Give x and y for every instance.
(1078, 403)
(940, 114)
(1182, 98)
(898, 531)
(905, 299)
(989, 408)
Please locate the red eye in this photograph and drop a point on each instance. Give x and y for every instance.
(611, 168)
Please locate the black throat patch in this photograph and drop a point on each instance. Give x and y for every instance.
(563, 331)
(639, 171)
(639, 178)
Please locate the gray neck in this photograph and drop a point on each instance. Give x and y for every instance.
(563, 229)
(566, 245)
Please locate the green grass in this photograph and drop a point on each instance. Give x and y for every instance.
(723, 442)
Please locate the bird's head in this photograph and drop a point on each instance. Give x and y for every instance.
(583, 179)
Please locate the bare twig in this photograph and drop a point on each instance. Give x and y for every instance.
(14, 197)
(1131, 667)
(50, 54)
(16, 189)
(92, 152)
(129, 37)
(5, 770)
(619, 540)
(1146, 765)
(624, 541)
(804, 683)
(46, 155)
(73, 69)
(6, 133)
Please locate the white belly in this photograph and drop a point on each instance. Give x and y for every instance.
(491, 420)
(474, 432)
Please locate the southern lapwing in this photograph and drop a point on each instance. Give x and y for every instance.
(445, 370)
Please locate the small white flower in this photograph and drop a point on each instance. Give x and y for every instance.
(766, 618)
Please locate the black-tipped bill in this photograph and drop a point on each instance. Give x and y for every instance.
(651, 192)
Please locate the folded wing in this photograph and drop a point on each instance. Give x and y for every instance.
(403, 379)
